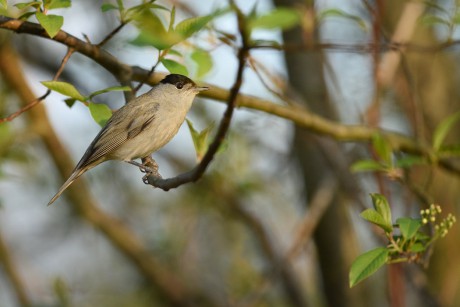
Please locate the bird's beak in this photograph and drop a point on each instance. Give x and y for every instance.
(202, 88)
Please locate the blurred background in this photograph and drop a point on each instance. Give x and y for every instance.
(275, 219)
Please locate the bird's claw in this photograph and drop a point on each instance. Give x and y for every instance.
(150, 169)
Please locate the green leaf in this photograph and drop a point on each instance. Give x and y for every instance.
(380, 204)
(382, 147)
(417, 248)
(51, 23)
(4, 4)
(108, 6)
(153, 33)
(441, 131)
(430, 20)
(377, 219)
(281, 18)
(70, 102)
(24, 5)
(409, 161)
(110, 89)
(203, 62)
(367, 165)
(64, 88)
(174, 52)
(172, 18)
(26, 15)
(367, 264)
(200, 139)
(174, 67)
(342, 14)
(190, 26)
(408, 227)
(100, 112)
(56, 4)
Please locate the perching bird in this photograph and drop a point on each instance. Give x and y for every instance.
(141, 127)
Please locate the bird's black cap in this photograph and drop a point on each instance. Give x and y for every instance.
(176, 79)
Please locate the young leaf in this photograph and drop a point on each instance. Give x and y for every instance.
(441, 131)
(56, 4)
(200, 139)
(108, 6)
(203, 62)
(64, 88)
(409, 161)
(417, 248)
(51, 23)
(190, 26)
(382, 148)
(367, 165)
(110, 89)
(3, 4)
(408, 227)
(280, 18)
(430, 20)
(367, 264)
(153, 32)
(70, 102)
(339, 13)
(174, 67)
(381, 205)
(23, 5)
(376, 218)
(100, 113)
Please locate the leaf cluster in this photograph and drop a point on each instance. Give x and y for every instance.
(408, 244)
(100, 112)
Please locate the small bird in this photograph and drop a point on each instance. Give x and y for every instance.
(141, 127)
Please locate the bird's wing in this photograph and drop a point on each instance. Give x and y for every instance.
(116, 132)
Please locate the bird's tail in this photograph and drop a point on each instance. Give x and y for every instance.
(76, 173)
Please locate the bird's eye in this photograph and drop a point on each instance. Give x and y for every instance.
(179, 85)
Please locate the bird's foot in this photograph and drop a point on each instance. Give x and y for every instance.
(151, 169)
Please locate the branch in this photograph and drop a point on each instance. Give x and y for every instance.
(300, 117)
(199, 170)
(12, 274)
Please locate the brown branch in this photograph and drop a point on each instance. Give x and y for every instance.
(12, 274)
(300, 117)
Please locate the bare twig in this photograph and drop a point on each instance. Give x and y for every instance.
(318, 205)
(112, 34)
(34, 102)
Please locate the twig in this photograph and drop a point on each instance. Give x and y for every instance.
(318, 205)
(34, 102)
(112, 34)
(198, 171)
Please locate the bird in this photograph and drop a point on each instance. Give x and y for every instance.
(140, 127)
